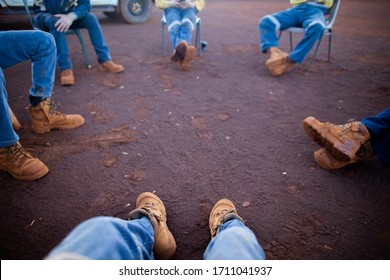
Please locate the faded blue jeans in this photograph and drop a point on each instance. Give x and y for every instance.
(181, 24)
(108, 238)
(46, 22)
(18, 46)
(379, 127)
(309, 16)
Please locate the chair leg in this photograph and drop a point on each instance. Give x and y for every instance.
(329, 46)
(163, 37)
(15, 123)
(291, 42)
(83, 48)
(199, 37)
(315, 51)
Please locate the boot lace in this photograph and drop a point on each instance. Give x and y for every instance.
(52, 109)
(16, 153)
(153, 210)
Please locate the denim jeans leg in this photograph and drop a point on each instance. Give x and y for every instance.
(270, 25)
(379, 127)
(108, 238)
(8, 136)
(46, 22)
(234, 241)
(313, 21)
(187, 25)
(173, 18)
(91, 23)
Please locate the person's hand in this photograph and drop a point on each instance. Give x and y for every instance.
(64, 21)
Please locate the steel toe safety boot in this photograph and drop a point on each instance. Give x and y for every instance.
(67, 77)
(279, 62)
(110, 67)
(188, 58)
(180, 52)
(327, 161)
(223, 211)
(150, 205)
(342, 141)
(44, 118)
(20, 164)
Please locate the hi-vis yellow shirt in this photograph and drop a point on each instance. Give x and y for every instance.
(327, 3)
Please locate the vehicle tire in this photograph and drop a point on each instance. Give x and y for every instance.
(135, 11)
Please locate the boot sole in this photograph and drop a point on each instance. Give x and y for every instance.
(102, 69)
(323, 137)
(30, 177)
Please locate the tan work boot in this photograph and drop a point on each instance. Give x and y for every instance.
(148, 204)
(180, 52)
(190, 55)
(20, 164)
(325, 159)
(67, 77)
(44, 118)
(223, 211)
(110, 67)
(279, 62)
(342, 141)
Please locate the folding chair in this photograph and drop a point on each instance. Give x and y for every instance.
(199, 44)
(329, 21)
(76, 32)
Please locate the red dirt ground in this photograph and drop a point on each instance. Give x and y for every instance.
(226, 128)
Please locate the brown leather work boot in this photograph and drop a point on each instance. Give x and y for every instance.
(189, 57)
(20, 164)
(279, 62)
(67, 77)
(325, 159)
(342, 141)
(223, 211)
(148, 204)
(180, 52)
(44, 118)
(110, 67)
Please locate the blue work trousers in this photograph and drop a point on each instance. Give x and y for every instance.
(310, 17)
(181, 24)
(379, 127)
(108, 238)
(18, 46)
(46, 22)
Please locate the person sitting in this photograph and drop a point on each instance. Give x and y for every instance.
(180, 17)
(57, 17)
(40, 48)
(309, 14)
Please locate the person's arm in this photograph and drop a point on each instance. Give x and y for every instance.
(83, 7)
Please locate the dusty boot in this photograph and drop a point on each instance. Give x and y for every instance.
(110, 66)
(67, 77)
(223, 211)
(342, 141)
(325, 159)
(180, 52)
(44, 118)
(151, 206)
(279, 62)
(190, 55)
(20, 164)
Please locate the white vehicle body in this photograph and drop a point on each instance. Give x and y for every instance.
(132, 11)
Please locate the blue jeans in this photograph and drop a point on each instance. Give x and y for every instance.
(379, 127)
(111, 238)
(18, 46)
(310, 17)
(181, 24)
(46, 22)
